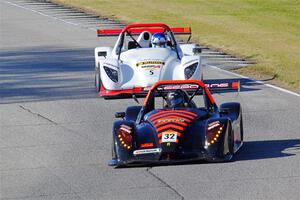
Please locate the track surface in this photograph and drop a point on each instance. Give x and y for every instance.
(55, 133)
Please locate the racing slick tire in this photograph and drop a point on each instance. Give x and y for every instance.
(114, 153)
(97, 80)
(242, 128)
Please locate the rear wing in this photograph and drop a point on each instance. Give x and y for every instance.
(139, 30)
(214, 86)
(222, 86)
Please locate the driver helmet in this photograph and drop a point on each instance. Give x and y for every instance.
(158, 40)
(175, 98)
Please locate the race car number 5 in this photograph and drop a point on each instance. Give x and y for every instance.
(169, 137)
(151, 72)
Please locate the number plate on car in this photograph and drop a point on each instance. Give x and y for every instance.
(169, 137)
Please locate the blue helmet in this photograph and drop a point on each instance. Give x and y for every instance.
(158, 40)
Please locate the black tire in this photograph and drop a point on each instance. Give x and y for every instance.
(113, 148)
(230, 143)
(242, 128)
(97, 80)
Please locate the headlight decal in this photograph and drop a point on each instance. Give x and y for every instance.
(190, 70)
(124, 135)
(111, 73)
(214, 130)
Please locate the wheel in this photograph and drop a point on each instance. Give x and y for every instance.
(242, 128)
(230, 145)
(113, 148)
(114, 157)
(97, 80)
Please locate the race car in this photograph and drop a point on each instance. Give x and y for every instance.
(177, 130)
(144, 54)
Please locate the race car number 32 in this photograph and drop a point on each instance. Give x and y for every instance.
(169, 137)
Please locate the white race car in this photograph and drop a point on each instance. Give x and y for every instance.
(133, 64)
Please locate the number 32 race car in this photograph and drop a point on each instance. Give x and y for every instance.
(143, 55)
(178, 131)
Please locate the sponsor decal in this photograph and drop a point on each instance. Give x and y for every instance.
(175, 87)
(171, 120)
(217, 85)
(146, 145)
(146, 151)
(150, 63)
(148, 67)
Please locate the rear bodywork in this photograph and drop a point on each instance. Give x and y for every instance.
(132, 63)
(147, 135)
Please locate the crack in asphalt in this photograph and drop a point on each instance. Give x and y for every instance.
(61, 125)
(37, 114)
(164, 182)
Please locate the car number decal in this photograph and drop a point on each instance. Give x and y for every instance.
(169, 137)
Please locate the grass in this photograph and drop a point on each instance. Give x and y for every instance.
(267, 32)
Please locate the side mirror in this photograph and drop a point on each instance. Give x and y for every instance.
(120, 115)
(197, 50)
(224, 111)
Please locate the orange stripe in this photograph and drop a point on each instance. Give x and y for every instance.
(177, 123)
(173, 111)
(182, 120)
(170, 126)
(153, 119)
(211, 99)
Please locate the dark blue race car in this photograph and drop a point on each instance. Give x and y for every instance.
(178, 130)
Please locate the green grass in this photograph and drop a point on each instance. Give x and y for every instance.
(267, 32)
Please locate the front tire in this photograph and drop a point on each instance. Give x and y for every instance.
(97, 80)
(114, 157)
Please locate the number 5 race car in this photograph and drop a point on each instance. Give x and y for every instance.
(178, 131)
(143, 55)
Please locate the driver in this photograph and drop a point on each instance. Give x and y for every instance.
(176, 99)
(158, 40)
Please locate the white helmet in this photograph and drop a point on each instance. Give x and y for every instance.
(158, 40)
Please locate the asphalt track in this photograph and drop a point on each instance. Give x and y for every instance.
(55, 133)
